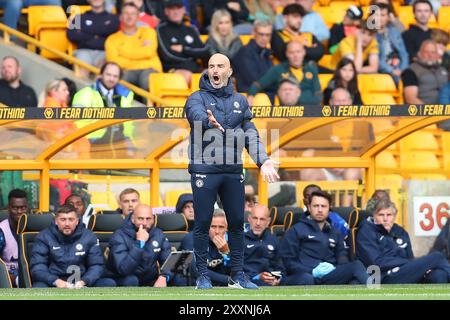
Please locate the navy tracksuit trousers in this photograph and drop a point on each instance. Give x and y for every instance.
(230, 188)
(416, 270)
(347, 273)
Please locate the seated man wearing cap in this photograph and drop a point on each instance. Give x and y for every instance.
(185, 205)
(179, 46)
(67, 255)
(348, 27)
(306, 75)
(383, 243)
(289, 92)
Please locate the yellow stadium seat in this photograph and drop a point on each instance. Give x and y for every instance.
(419, 140)
(386, 159)
(444, 18)
(419, 160)
(377, 83)
(169, 85)
(48, 24)
(377, 98)
(325, 61)
(195, 81)
(175, 101)
(406, 16)
(446, 149)
(104, 198)
(245, 38)
(324, 78)
(332, 15)
(261, 100)
(173, 195)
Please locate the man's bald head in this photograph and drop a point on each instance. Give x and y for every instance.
(219, 70)
(259, 219)
(341, 97)
(143, 215)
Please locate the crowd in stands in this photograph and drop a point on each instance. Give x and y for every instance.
(315, 249)
(287, 39)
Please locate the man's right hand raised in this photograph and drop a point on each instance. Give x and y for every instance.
(213, 121)
(142, 234)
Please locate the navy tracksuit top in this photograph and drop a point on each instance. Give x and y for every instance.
(261, 253)
(304, 246)
(232, 111)
(376, 246)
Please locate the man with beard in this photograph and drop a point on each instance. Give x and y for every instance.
(13, 92)
(217, 112)
(67, 255)
(425, 77)
(314, 252)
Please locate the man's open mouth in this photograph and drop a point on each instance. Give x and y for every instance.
(216, 78)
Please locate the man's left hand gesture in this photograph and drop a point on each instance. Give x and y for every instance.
(269, 172)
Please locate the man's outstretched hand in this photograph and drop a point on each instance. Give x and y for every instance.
(213, 121)
(269, 172)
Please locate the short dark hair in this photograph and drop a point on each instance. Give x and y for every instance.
(66, 202)
(64, 209)
(384, 6)
(310, 186)
(17, 193)
(422, 1)
(294, 8)
(321, 194)
(110, 63)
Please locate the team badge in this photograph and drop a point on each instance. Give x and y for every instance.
(236, 105)
(399, 241)
(189, 39)
(199, 183)
(308, 75)
(79, 247)
(270, 247)
(155, 243)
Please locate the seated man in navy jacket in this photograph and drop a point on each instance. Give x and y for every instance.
(218, 250)
(261, 260)
(383, 243)
(135, 250)
(67, 255)
(314, 252)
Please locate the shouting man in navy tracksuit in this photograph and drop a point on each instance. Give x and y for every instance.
(261, 259)
(383, 243)
(220, 122)
(314, 251)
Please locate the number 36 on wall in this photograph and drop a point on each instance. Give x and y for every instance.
(430, 215)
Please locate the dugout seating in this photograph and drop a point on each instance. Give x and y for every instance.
(104, 226)
(282, 218)
(5, 280)
(356, 217)
(28, 228)
(174, 226)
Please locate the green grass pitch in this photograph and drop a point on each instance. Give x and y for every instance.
(386, 292)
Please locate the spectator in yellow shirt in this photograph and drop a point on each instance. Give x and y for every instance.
(134, 49)
(362, 48)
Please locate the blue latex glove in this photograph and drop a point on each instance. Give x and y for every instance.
(322, 270)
